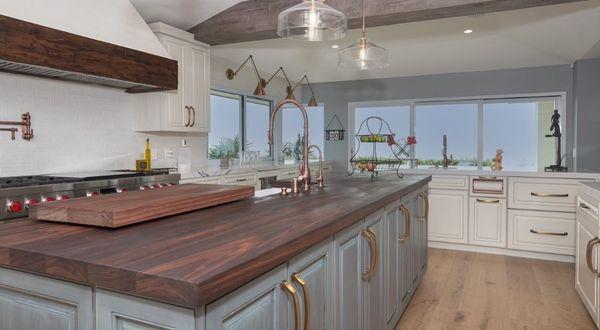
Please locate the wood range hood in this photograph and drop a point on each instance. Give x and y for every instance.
(35, 50)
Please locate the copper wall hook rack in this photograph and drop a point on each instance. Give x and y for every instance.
(25, 123)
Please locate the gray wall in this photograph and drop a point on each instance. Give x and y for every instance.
(337, 95)
(587, 109)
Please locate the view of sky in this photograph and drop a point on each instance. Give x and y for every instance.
(293, 124)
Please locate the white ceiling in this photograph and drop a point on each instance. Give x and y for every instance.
(550, 35)
(183, 14)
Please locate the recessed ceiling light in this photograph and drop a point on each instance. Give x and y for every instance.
(468, 31)
(335, 46)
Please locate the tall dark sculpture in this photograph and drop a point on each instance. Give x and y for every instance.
(556, 133)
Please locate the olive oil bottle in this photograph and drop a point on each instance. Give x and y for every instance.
(148, 156)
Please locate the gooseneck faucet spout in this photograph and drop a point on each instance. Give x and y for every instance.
(304, 177)
(319, 179)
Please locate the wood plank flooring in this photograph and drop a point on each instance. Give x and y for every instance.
(464, 290)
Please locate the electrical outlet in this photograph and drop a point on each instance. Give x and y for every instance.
(169, 154)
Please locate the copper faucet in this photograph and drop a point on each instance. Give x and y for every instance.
(319, 179)
(304, 177)
(25, 123)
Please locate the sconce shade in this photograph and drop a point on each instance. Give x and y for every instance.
(313, 102)
(312, 20)
(290, 93)
(260, 88)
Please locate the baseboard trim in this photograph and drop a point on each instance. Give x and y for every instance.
(501, 251)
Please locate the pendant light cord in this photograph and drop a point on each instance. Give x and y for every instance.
(364, 27)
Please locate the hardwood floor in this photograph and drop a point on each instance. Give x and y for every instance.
(464, 290)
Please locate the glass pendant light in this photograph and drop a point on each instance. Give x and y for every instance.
(363, 55)
(312, 20)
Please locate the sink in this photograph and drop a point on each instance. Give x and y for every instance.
(267, 192)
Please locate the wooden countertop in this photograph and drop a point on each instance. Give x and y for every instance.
(194, 258)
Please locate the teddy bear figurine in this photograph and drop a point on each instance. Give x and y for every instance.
(497, 161)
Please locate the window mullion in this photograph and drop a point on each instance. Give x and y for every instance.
(480, 115)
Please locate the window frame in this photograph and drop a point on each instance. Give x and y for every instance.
(481, 100)
(243, 98)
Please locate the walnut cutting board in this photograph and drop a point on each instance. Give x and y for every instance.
(117, 210)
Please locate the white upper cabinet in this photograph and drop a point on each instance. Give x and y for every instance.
(186, 109)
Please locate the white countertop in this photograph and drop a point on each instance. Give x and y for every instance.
(215, 170)
(441, 171)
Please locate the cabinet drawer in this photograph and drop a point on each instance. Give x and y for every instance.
(550, 232)
(543, 194)
(488, 186)
(456, 182)
(239, 180)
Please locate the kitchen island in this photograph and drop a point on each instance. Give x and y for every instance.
(358, 245)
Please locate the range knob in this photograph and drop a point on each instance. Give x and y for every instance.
(92, 193)
(14, 206)
(170, 184)
(155, 186)
(63, 197)
(48, 199)
(145, 187)
(30, 202)
(121, 190)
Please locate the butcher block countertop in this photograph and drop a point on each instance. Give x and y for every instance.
(194, 258)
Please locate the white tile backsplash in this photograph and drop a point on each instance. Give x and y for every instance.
(78, 127)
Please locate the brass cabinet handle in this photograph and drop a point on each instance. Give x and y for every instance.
(241, 180)
(406, 234)
(488, 177)
(194, 114)
(188, 115)
(588, 255)
(425, 200)
(533, 231)
(302, 283)
(496, 201)
(548, 195)
(287, 286)
(584, 206)
(370, 236)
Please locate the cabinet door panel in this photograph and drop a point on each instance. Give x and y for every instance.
(199, 98)
(175, 112)
(349, 294)
(448, 216)
(586, 282)
(487, 222)
(38, 303)
(258, 305)
(122, 312)
(374, 284)
(315, 268)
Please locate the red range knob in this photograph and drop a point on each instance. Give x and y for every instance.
(93, 193)
(145, 187)
(14, 206)
(48, 199)
(121, 190)
(155, 186)
(63, 197)
(31, 202)
(170, 184)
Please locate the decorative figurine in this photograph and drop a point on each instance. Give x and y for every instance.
(446, 161)
(556, 133)
(497, 161)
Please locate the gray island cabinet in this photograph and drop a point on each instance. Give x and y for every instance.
(360, 277)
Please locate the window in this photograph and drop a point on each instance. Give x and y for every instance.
(475, 129)
(293, 129)
(256, 125)
(458, 121)
(518, 127)
(398, 119)
(238, 123)
(225, 121)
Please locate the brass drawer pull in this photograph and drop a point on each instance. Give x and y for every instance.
(425, 200)
(372, 238)
(533, 231)
(194, 114)
(287, 286)
(584, 206)
(496, 201)
(548, 195)
(302, 283)
(189, 114)
(406, 235)
(588, 255)
(488, 177)
(242, 180)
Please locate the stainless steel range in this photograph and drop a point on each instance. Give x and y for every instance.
(18, 193)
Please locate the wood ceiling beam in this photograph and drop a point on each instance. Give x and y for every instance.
(257, 19)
